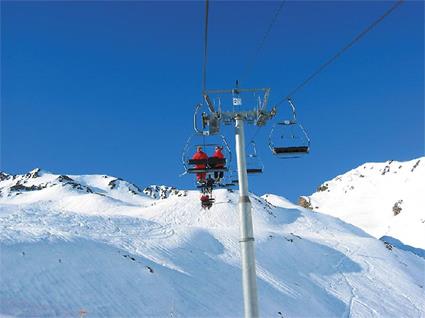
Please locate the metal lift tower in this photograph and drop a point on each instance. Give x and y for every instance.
(258, 115)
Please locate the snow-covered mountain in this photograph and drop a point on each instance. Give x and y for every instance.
(384, 199)
(98, 246)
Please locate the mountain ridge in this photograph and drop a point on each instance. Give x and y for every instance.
(116, 252)
(384, 199)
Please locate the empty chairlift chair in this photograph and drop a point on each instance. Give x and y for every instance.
(288, 139)
(253, 162)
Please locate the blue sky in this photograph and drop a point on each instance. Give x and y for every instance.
(110, 87)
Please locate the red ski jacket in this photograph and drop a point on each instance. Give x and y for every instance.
(218, 154)
(199, 155)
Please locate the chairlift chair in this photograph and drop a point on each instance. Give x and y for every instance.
(288, 139)
(211, 163)
(253, 162)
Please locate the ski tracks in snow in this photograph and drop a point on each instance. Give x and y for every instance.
(354, 306)
(276, 282)
(31, 224)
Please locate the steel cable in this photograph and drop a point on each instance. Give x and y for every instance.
(204, 67)
(250, 65)
(341, 51)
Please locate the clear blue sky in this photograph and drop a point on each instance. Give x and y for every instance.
(110, 87)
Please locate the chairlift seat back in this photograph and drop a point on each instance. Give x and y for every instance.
(211, 162)
(254, 170)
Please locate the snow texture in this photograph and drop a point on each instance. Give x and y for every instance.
(384, 199)
(99, 246)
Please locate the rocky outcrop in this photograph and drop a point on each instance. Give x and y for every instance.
(388, 246)
(397, 207)
(118, 182)
(305, 202)
(323, 187)
(76, 186)
(33, 174)
(162, 192)
(113, 184)
(415, 166)
(21, 181)
(64, 180)
(4, 176)
(18, 187)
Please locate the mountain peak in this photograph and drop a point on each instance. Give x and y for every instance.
(34, 173)
(4, 176)
(384, 199)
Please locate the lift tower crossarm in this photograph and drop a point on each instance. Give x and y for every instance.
(240, 90)
(210, 104)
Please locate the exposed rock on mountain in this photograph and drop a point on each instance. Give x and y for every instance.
(162, 192)
(4, 176)
(384, 199)
(305, 203)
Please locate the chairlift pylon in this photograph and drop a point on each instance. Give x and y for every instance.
(288, 138)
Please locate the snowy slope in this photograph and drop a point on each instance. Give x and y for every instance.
(384, 199)
(101, 247)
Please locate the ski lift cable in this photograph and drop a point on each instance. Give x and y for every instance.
(357, 38)
(204, 67)
(254, 58)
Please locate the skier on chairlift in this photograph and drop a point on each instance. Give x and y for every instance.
(200, 155)
(206, 201)
(218, 175)
(209, 183)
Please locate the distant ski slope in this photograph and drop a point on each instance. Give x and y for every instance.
(101, 245)
(384, 199)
